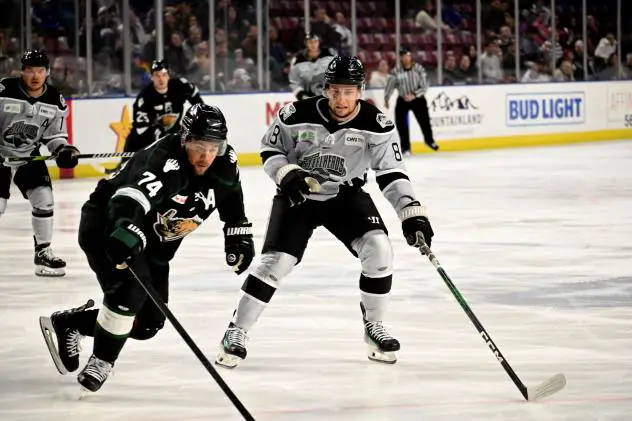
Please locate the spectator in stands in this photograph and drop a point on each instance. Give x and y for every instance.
(509, 63)
(192, 41)
(465, 73)
(472, 54)
(552, 52)
(529, 47)
(578, 62)
(200, 67)
(564, 73)
(425, 19)
(450, 75)
(537, 72)
(237, 28)
(613, 70)
(58, 77)
(249, 44)
(177, 56)
(241, 81)
(494, 17)
(340, 26)
(321, 25)
(450, 17)
(490, 63)
(605, 49)
(379, 76)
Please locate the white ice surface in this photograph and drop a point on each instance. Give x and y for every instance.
(539, 241)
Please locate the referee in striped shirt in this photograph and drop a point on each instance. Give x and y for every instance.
(411, 82)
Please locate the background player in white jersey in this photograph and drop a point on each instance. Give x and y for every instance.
(336, 140)
(308, 69)
(34, 114)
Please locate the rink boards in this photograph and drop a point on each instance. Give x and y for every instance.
(463, 118)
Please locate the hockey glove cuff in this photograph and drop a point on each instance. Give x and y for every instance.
(296, 183)
(238, 246)
(66, 156)
(415, 225)
(125, 241)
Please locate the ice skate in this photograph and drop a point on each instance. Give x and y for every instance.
(46, 263)
(63, 340)
(233, 347)
(382, 346)
(94, 374)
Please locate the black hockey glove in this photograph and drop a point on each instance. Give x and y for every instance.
(66, 156)
(125, 241)
(238, 246)
(415, 224)
(296, 183)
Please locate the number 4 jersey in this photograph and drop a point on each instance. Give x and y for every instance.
(160, 192)
(28, 122)
(338, 154)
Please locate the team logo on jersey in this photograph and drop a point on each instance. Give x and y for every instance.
(46, 111)
(20, 133)
(179, 199)
(170, 228)
(383, 120)
(324, 167)
(306, 136)
(287, 111)
(12, 108)
(354, 139)
(171, 165)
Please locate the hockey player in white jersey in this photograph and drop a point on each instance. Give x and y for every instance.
(34, 114)
(335, 139)
(308, 68)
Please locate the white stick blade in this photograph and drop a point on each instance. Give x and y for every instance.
(547, 388)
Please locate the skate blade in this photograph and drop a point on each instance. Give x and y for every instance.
(227, 360)
(48, 272)
(381, 356)
(49, 334)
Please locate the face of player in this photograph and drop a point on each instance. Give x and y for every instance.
(34, 78)
(160, 79)
(201, 154)
(343, 100)
(312, 45)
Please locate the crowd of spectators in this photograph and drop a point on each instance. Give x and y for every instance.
(62, 31)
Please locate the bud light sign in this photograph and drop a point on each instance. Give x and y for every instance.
(545, 109)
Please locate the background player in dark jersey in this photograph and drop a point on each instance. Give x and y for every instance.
(336, 140)
(34, 114)
(158, 106)
(144, 211)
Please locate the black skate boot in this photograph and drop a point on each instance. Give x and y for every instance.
(46, 263)
(233, 347)
(382, 346)
(65, 348)
(94, 374)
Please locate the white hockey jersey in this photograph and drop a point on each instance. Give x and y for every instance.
(308, 76)
(27, 122)
(338, 154)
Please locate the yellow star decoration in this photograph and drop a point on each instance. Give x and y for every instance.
(122, 129)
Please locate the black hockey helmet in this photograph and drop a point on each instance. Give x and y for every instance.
(159, 65)
(311, 36)
(35, 58)
(345, 71)
(204, 122)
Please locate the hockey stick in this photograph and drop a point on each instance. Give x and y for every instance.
(151, 292)
(548, 387)
(53, 157)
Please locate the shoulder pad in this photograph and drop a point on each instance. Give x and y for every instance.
(9, 86)
(52, 96)
(373, 119)
(299, 111)
(299, 58)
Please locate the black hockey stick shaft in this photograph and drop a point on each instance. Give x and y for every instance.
(151, 292)
(81, 156)
(425, 250)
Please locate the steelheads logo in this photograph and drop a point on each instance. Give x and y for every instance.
(324, 167)
(170, 228)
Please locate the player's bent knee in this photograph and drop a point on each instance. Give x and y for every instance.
(274, 266)
(141, 333)
(41, 199)
(376, 254)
